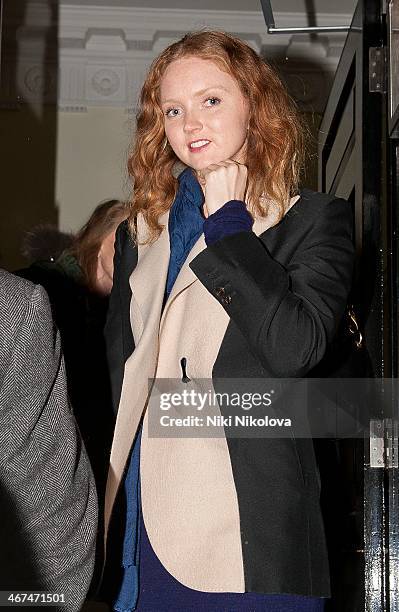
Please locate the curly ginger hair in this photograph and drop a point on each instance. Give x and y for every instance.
(275, 144)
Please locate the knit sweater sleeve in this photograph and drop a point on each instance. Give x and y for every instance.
(231, 218)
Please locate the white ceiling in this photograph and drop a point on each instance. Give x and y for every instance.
(338, 7)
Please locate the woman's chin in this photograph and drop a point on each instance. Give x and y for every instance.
(200, 164)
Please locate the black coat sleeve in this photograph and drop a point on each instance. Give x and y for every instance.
(288, 314)
(118, 332)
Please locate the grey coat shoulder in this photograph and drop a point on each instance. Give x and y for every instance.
(16, 296)
(14, 286)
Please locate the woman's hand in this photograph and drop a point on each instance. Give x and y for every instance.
(221, 183)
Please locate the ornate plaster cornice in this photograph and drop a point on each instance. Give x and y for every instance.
(98, 56)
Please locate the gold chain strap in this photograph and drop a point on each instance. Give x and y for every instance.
(353, 326)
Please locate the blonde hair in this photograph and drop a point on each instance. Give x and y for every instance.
(275, 145)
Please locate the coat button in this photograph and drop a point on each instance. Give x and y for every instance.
(221, 293)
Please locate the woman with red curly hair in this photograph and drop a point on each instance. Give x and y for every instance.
(225, 269)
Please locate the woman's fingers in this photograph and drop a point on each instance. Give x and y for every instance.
(223, 182)
(228, 164)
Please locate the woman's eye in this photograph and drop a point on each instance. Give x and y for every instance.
(172, 112)
(212, 101)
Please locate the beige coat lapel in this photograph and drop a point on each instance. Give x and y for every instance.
(147, 283)
(185, 278)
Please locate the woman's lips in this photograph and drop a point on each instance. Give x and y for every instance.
(198, 145)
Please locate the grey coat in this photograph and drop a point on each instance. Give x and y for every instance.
(48, 511)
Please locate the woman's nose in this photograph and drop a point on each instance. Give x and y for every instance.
(192, 121)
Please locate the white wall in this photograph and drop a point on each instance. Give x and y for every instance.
(91, 161)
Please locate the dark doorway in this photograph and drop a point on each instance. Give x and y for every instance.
(357, 161)
(28, 122)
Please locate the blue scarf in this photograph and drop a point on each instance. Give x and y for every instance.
(186, 223)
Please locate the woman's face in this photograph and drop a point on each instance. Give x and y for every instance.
(206, 116)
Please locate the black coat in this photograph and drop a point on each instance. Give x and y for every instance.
(284, 292)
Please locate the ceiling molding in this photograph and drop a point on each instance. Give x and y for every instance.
(98, 56)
